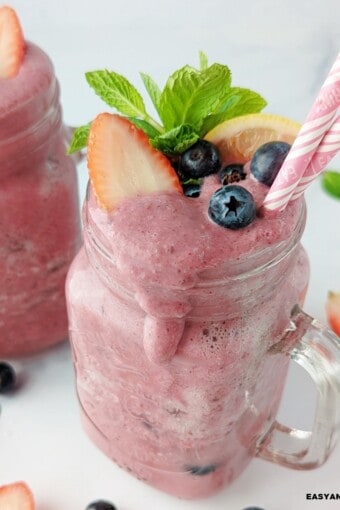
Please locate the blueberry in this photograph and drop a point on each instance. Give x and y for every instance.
(7, 377)
(201, 470)
(200, 160)
(267, 161)
(192, 190)
(232, 207)
(100, 504)
(232, 173)
(253, 508)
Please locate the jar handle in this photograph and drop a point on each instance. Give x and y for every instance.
(317, 350)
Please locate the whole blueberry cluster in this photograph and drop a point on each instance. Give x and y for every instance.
(231, 206)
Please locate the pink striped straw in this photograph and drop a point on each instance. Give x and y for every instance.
(327, 149)
(318, 122)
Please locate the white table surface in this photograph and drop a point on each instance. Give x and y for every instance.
(284, 53)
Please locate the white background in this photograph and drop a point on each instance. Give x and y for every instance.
(281, 49)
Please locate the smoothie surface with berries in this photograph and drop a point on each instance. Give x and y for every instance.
(168, 239)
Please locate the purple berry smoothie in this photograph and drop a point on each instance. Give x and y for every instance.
(173, 323)
(39, 218)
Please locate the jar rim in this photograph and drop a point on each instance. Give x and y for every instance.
(259, 261)
(33, 111)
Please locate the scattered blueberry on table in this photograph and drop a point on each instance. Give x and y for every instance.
(253, 508)
(100, 504)
(7, 377)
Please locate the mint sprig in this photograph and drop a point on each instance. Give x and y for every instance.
(190, 95)
(79, 138)
(192, 102)
(331, 183)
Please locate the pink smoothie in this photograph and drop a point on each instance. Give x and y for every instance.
(39, 219)
(173, 320)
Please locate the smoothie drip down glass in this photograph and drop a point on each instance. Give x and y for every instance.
(39, 216)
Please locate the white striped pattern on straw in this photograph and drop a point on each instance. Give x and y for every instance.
(318, 122)
(307, 142)
(327, 149)
(310, 135)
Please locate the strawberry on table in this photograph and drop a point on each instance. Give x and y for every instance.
(16, 496)
(12, 44)
(333, 311)
(123, 164)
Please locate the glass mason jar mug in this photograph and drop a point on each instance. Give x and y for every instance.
(183, 390)
(39, 209)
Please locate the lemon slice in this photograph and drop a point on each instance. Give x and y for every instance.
(237, 139)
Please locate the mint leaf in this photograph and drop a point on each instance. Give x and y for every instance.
(331, 183)
(243, 101)
(184, 141)
(117, 92)
(190, 95)
(203, 61)
(236, 102)
(152, 89)
(193, 181)
(176, 140)
(148, 129)
(79, 139)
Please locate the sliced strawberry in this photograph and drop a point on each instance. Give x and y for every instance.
(12, 44)
(16, 496)
(333, 311)
(122, 163)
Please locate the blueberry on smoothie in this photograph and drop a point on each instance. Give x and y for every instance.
(232, 207)
(192, 190)
(7, 377)
(200, 160)
(100, 505)
(232, 173)
(201, 470)
(267, 161)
